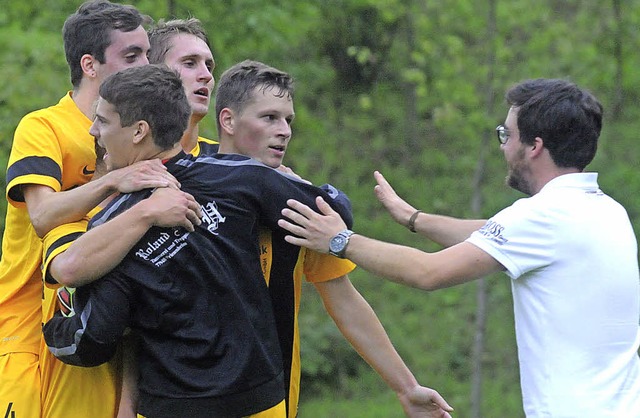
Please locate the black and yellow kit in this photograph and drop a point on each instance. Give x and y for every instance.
(51, 147)
(198, 301)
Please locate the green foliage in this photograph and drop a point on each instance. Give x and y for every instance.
(25, 85)
(409, 88)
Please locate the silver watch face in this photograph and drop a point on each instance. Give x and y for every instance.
(337, 243)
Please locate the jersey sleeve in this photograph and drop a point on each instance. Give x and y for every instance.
(101, 314)
(520, 237)
(278, 187)
(36, 158)
(324, 267)
(59, 239)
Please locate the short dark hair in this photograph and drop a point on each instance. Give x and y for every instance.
(237, 84)
(566, 117)
(160, 36)
(88, 31)
(153, 93)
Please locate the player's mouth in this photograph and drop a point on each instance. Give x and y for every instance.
(203, 92)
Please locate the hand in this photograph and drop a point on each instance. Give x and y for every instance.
(422, 402)
(289, 171)
(315, 229)
(169, 207)
(141, 175)
(399, 209)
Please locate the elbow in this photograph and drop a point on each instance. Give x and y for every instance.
(65, 272)
(40, 227)
(424, 278)
(420, 282)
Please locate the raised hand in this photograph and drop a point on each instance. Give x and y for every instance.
(141, 175)
(311, 229)
(168, 207)
(398, 208)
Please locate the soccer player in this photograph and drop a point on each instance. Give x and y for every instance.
(183, 45)
(52, 157)
(198, 300)
(254, 120)
(283, 265)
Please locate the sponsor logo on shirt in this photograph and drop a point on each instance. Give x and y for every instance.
(166, 245)
(493, 231)
(212, 217)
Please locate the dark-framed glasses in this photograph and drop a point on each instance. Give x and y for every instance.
(503, 134)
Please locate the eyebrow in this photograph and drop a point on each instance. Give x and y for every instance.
(131, 48)
(198, 56)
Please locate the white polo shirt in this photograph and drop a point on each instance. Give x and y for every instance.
(572, 255)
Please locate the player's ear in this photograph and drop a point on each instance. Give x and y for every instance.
(537, 147)
(87, 63)
(227, 120)
(142, 130)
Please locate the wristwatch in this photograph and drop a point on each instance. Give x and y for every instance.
(338, 244)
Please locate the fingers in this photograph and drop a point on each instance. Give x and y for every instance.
(193, 216)
(324, 207)
(294, 223)
(303, 210)
(195, 207)
(439, 401)
(379, 178)
(175, 208)
(172, 182)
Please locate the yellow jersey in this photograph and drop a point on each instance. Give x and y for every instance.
(51, 147)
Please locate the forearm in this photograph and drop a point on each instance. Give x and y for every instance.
(49, 209)
(90, 337)
(452, 266)
(359, 324)
(393, 262)
(60, 336)
(106, 246)
(445, 230)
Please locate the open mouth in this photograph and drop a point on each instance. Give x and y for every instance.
(204, 92)
(280, 148)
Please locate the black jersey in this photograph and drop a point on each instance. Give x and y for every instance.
(198, 301)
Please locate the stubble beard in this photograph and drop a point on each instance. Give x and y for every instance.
(516, 178)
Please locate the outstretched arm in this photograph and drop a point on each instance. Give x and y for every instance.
(48, 208)
(107, 244)
(444, 230)
(458, 264)
(357, 321)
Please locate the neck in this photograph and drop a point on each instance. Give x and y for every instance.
(167, 154)
(225, 146)
(545, 177)
(84, 96)
(190, 137)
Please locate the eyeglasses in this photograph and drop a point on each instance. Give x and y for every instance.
(503, 134)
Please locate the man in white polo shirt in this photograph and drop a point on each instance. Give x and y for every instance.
(569, 249)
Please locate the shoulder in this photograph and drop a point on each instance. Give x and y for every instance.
(65, 106)
(118, 205)
(205, 146)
